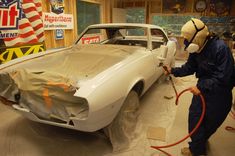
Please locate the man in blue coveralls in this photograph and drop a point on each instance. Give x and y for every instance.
(212, 63)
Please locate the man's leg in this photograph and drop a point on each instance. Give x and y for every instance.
(198, 144)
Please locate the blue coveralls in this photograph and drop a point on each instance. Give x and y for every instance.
(213, 67)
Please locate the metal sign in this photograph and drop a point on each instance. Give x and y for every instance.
(10, 14)
(59, 34)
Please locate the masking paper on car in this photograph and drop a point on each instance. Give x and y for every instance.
(125, 127)
(46, 84)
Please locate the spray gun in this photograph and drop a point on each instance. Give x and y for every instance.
(161, 64)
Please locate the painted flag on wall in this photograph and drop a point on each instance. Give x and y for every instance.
(30, 29)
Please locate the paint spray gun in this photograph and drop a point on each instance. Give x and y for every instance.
(161, 64)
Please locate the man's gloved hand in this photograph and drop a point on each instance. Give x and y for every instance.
(167, 69)
(195, 90)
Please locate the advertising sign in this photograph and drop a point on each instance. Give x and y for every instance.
(21, 29)
(89, 40)
(20, 22)
(10, 14)
(53, 21)
(220, 7)
(10, 53)
(59, 34)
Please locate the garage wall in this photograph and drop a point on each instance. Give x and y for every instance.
(71, 35)
(172, 16)
(157, 7)
(153, 7)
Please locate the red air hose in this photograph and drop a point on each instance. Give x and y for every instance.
(193, 131)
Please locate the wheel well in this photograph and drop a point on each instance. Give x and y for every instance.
(139, 86)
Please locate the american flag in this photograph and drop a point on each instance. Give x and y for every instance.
(30, 29)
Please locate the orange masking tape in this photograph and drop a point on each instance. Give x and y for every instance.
(45, 93)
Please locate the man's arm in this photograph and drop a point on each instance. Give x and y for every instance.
(223, 72)
(187, 69)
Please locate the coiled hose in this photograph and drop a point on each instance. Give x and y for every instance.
(195, 128)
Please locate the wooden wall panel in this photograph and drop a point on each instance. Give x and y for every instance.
(156, 6)
(70, 35)
(48, 34)
(70, 8)
(189, 6)
(133, 3)
(151, 6)
(108, 11)
(232, 10)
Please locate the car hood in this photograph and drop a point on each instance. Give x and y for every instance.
(83, 61)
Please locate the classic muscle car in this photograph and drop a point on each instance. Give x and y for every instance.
(86, 86)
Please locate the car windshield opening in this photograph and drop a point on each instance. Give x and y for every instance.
(129, 36)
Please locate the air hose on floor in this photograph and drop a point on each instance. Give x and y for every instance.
(195, 128)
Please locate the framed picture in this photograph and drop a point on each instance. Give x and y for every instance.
(57, 6)
(220, 7)
(174, 6)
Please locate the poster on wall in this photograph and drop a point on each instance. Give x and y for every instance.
(174, 6)
(57, 6)
(10, 14)
(59, 34)
(53, 21)
(21, 25)
(56, 18)
(220, 7)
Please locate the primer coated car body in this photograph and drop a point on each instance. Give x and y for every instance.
(84, 86)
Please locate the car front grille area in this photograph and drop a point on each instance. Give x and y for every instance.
(48, 100)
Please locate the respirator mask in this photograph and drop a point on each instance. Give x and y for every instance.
(189, 46)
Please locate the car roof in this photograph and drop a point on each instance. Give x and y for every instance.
(121, 25)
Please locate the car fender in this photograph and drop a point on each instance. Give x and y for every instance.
(106, 107)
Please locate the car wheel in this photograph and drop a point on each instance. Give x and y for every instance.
(122, 129)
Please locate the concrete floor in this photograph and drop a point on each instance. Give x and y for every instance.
(21, 137)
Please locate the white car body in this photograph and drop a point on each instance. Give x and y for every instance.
(105, 91)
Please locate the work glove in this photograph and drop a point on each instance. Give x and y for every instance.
(167, 69)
